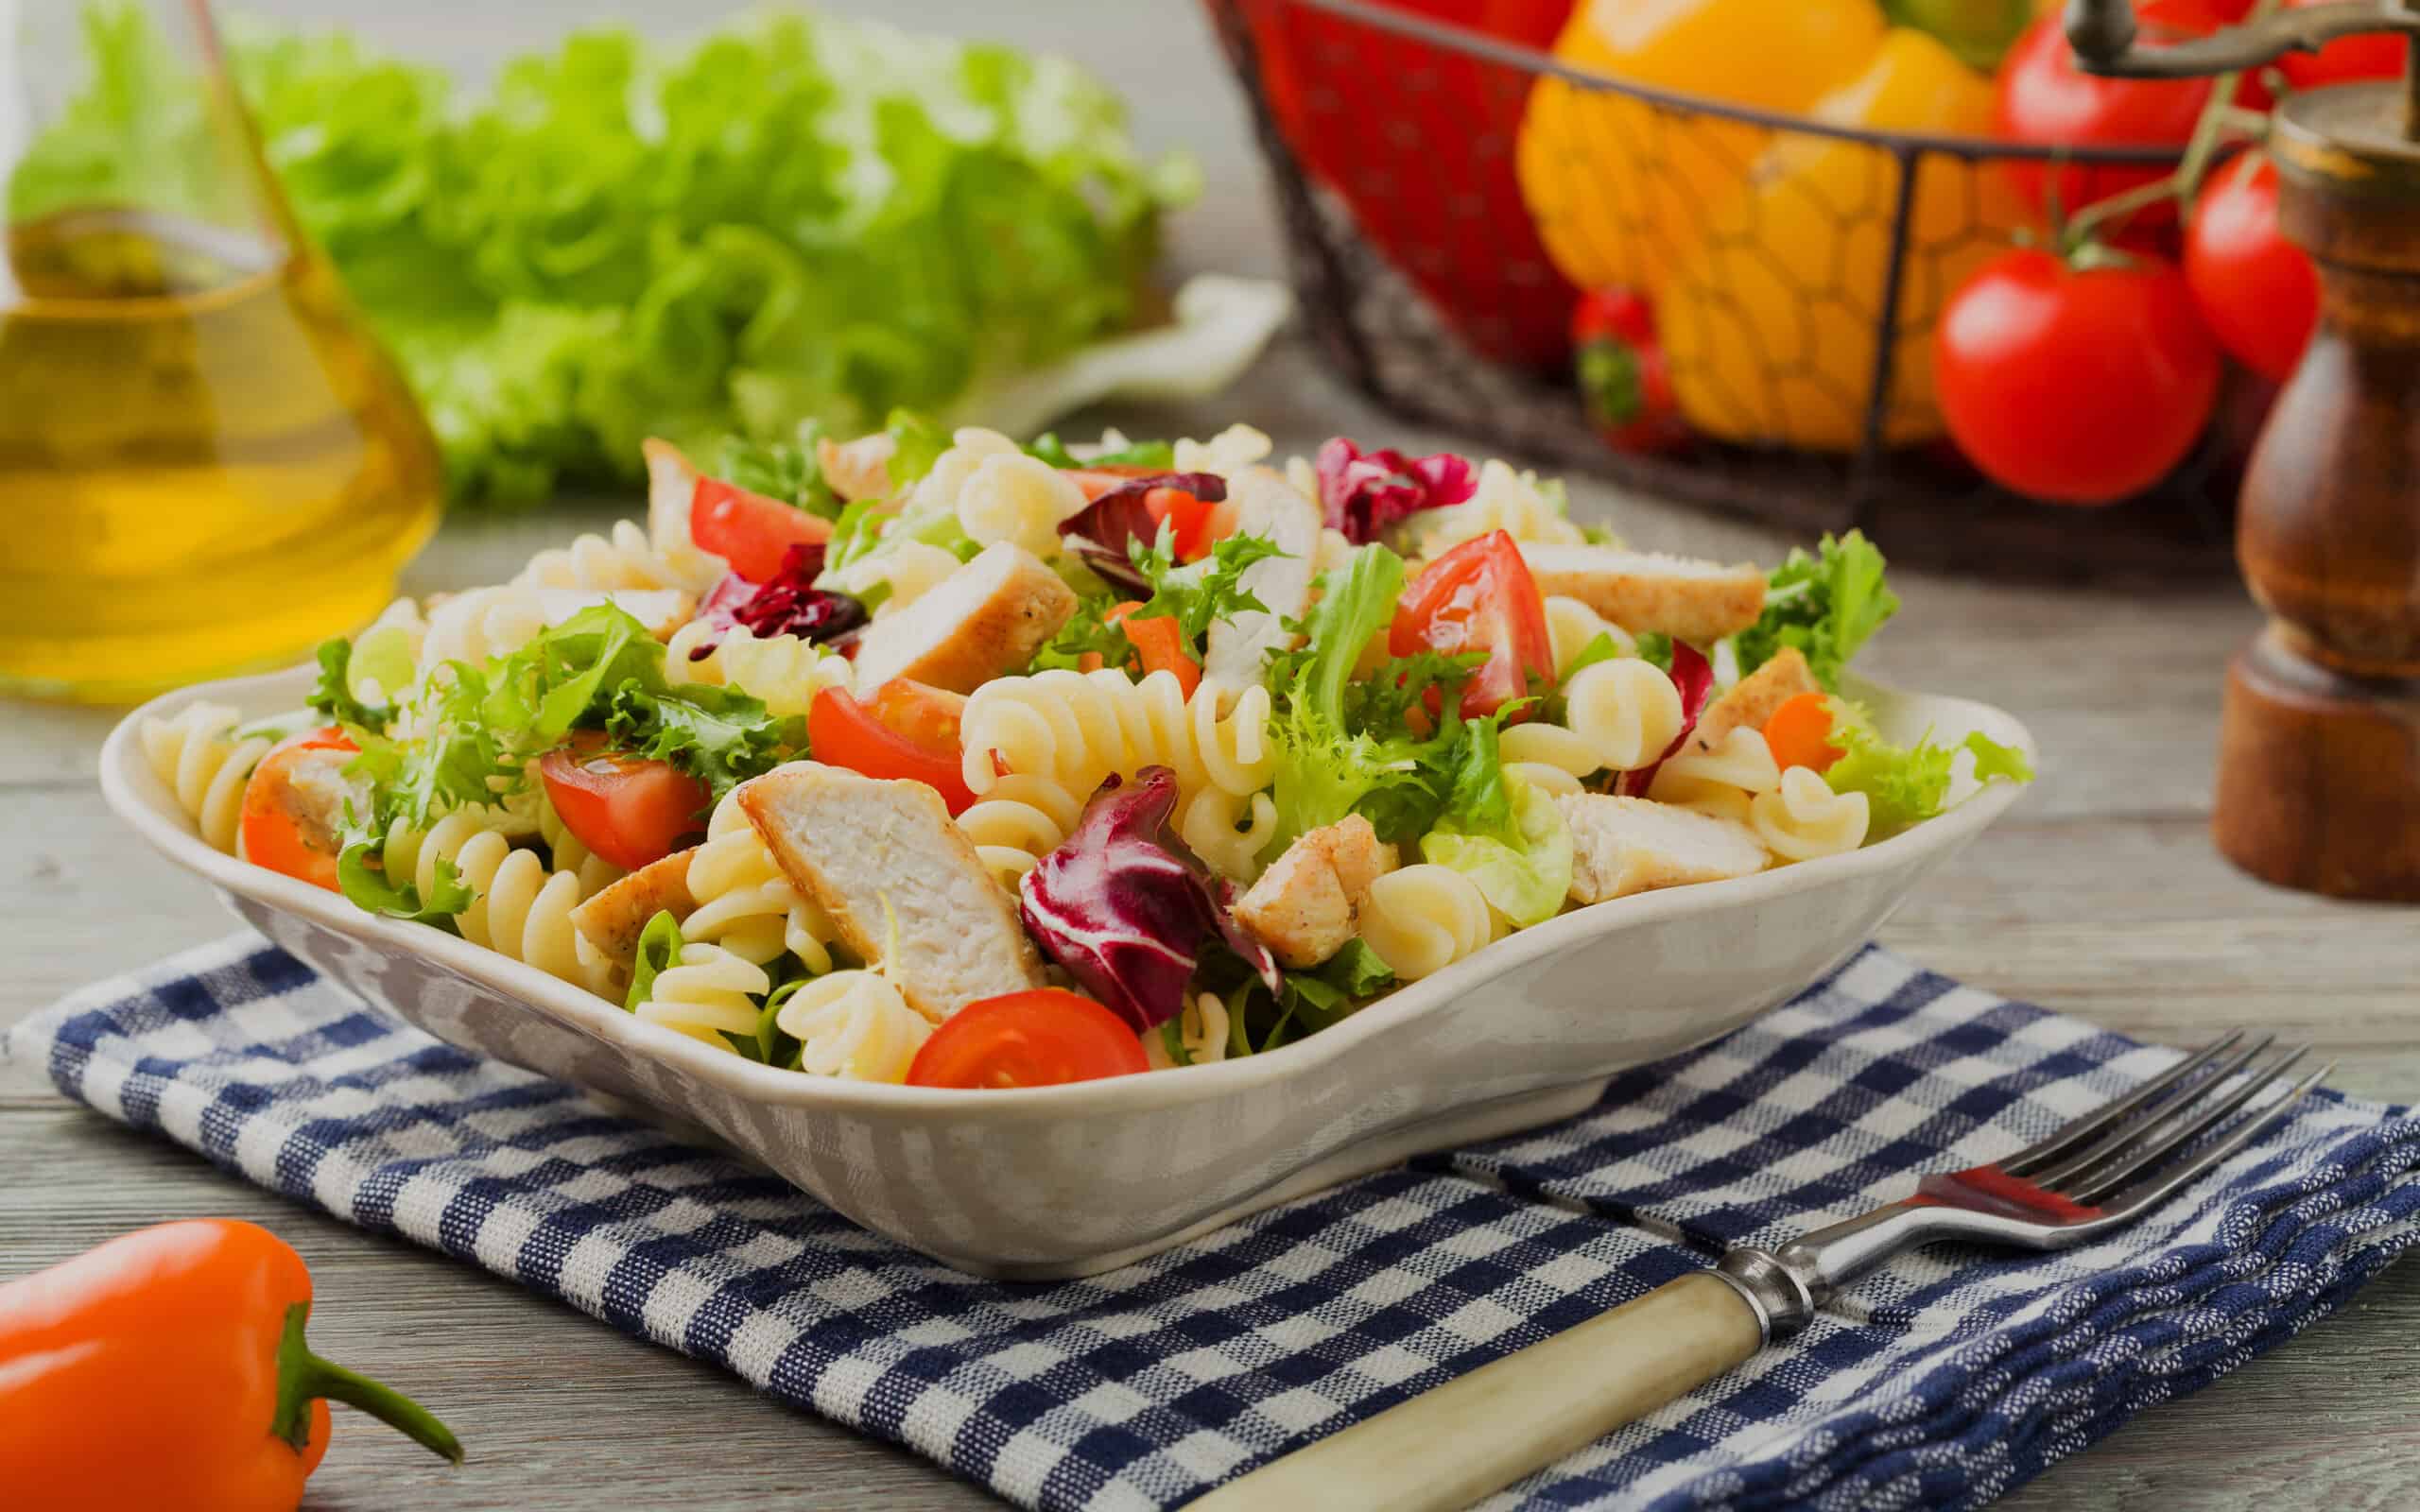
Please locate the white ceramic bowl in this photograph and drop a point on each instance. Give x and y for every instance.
(1071, 1180)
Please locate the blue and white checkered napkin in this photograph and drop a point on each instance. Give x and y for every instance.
(1942, 1381)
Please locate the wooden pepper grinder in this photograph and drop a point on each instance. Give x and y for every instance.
(2319, 753)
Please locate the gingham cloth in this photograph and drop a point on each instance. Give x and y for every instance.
(1942, 1381)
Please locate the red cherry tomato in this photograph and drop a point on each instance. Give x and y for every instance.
(631, 810)
(2044, 97)
(1037, 1039)
(2256, 289)
(2344, 60)
(2080, 388)
(749, 530)
(1480, 598)
(1623, 379)
(289, 825)
(906, 730)
(1194, 522)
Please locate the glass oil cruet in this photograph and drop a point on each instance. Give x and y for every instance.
(206, 462)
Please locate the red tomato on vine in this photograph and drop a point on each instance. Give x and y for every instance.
(2257, 290)
(2079, 385)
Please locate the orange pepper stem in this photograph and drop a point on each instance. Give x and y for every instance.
(303, 1378)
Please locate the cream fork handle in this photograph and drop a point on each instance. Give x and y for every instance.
(1448, 1447)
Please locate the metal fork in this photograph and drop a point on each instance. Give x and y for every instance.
(1480, 1431)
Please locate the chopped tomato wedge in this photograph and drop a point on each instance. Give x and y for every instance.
(631, 810)
(1480, 598)
(749, 530)
(906, 730)
(1037, 1039)
(1159, 644)
(290, 810)
(1191, 521)
(1799, 733)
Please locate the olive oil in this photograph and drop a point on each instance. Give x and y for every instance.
(205, 464)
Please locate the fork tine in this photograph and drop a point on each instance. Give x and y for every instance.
(2076, 1130)
(2187, 1125)
(2062, 1176)
(2210, 1154)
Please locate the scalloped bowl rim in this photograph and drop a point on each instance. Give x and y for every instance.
(134, 791)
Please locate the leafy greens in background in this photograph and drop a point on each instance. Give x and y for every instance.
(794, 218)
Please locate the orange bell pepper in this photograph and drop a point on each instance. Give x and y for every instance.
(166, 1368)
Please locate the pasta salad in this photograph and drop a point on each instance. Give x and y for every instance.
(965, 762)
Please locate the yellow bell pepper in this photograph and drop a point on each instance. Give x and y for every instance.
(1771, 322)
(1618, 187)
(1766, 252)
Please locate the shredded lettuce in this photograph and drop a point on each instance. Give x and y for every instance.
(1906, 784)
(792, 216)
(1827, 606)
(1522, 867)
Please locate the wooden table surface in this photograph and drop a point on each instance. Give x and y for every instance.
(2100, 896)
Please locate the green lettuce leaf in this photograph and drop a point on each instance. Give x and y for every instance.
(1827, 606)
(660, 946)
(333, 698)
(792, 216)
(369, 888)
(1904, 784)
(1524, 868)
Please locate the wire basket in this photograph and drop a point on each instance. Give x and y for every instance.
(1425, 285)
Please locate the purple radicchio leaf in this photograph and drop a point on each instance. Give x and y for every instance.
(1102, 531)
(1128, 908)
(790, 604)
(1694, 676)
(1361, 494)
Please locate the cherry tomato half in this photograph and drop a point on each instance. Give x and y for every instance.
(292, 803)
(906, 730)
(631, 810)
(1192, 523)
(2044, 97)
(2256, 289)
(2080, 388)
(1037, 1039)
(1480, 598)
(749, 530)
(2344, 60)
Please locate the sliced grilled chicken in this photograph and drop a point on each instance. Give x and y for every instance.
(1753, 700)
(1305, 906)
(613, 919)
(899, 880)
(987, 618)
(1620, 845)
(1695, 600)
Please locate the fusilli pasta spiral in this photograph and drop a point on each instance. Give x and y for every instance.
(911, 568)
(570, 853)
(1079, 727)
(624, 559)
(856, 1024)
(744, 903)
(1720, 781)
(1504, 500)
(1201, 1029)
(1802, 817)
(710, 994)
(937, 491)
(785, 671)
(518, 908)
(1018, 498)
(1572, 627)
(1618, 715)
(1228, 831)
(1021, 817)
(196, 753)
(1423, 918)
(1231, 451)
(481, 623)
